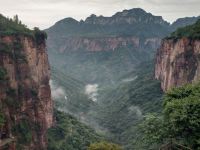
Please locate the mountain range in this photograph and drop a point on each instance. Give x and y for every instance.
(107, 75)
(117, 54)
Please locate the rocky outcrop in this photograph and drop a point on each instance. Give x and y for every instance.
(177, 62)
(104, 43)
(25, 94)
(132, 16)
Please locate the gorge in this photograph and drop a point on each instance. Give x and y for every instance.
(94, 80)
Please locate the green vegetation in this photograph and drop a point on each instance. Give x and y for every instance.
(121, 108)
(15, 27)
(18, 54)
(104, 146)
(12, 26)
(22, 131)
(104, 67)
(190, 31)
(2, 119)
(180, 122)
(11, 100)
(5, 48)
(14, 50)
(39, 35)
(115, 25)
(70, 134)
(2, 73)
(77, 102)
(127, 89)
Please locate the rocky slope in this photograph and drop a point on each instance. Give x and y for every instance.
(132, 27)
(177, 60)
(105, 48)
(105, 43)
(101, 49)
(25, 96)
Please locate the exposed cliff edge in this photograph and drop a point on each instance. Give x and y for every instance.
(104, 43)
(177, 60)
(25, 97)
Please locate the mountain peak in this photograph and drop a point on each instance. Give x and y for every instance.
(131, 16)
(131, 12)
(68, 20)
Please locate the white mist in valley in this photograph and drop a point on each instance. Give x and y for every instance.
(57, 91)
(130, 79)
(59, 95)
(92, 91)
(135, 110)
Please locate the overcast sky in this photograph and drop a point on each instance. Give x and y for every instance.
(44, 13)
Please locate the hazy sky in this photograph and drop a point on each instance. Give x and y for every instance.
(44, 13)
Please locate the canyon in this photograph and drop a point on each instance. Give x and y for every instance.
(117, 53)
(102, 74)
(25, 95)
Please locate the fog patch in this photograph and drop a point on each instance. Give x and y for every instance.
(63, 102)
(135, 110)
(57, 91)
(91, 90)
(130, 79)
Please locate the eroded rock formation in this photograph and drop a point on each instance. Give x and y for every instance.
(25, 94)
(177, 62)
(104, 43)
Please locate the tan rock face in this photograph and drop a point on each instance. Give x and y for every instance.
(28, 75)
(177, 62)
(98, 44)
(103, 43)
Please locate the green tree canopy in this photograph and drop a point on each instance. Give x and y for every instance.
(190, 31)
(2, 120)
(104, 146)
(180, 121)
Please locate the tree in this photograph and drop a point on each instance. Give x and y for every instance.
(16, 19)
(182, 114)
(180, 121)
(2, 120)
(40, 36)
(104, 146)
(153, 128)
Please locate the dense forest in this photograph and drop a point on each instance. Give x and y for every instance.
(190, 31)
(179, 123)
(13, 26)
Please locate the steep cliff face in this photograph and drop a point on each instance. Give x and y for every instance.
(103, 43)
(25, 94)
(177, 62)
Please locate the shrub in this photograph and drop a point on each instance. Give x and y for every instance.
(40, 36)
(104, 146)
(5, 48)
(2, 120)
(12, 103)
(23, 132)
(191, 31)
(180, 121)
(2, 73)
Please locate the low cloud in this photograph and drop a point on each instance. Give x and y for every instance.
(91, 90)
(57, 92)
(135, 110)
